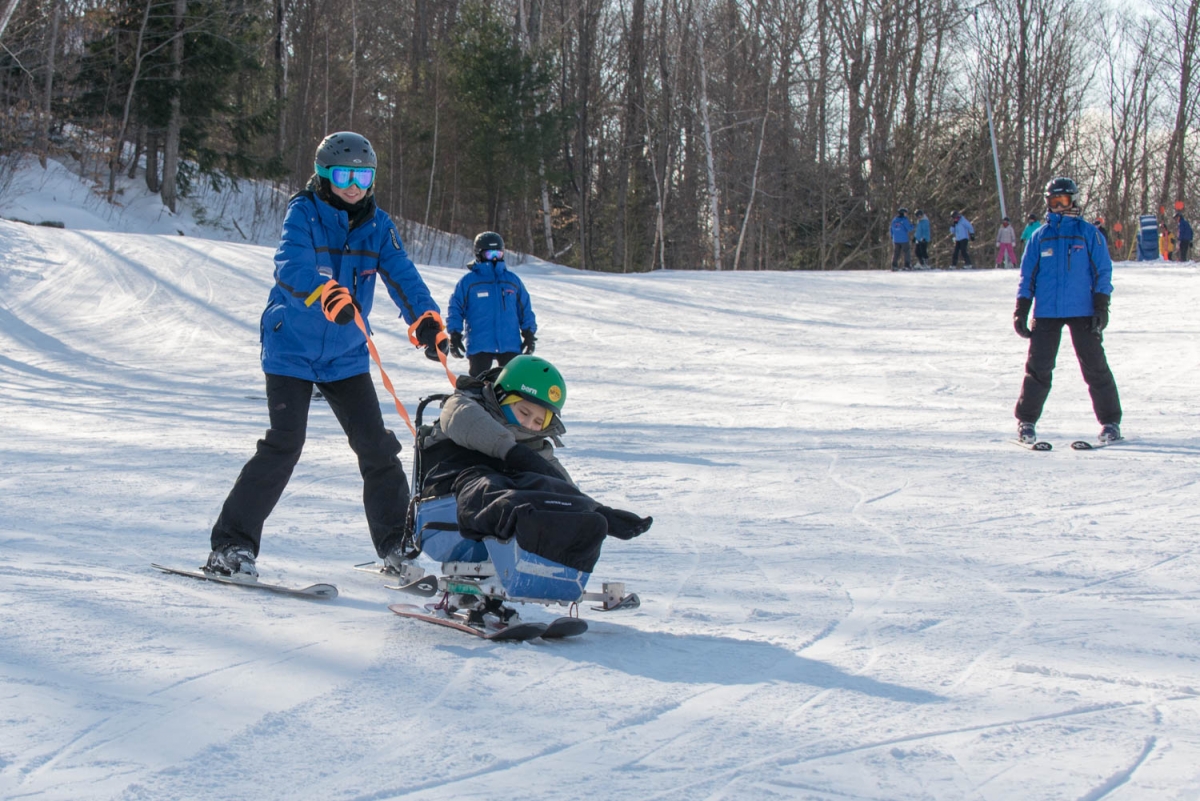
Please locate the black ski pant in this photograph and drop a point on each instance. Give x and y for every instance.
(1039, 368)
(922, 252)
(897, 249)
(264, 477)
(479, 363)
(1184, 246)
(960, 246)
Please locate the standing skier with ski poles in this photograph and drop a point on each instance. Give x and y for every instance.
(335, 242)
(1067, 272)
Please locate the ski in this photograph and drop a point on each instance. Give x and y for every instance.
(318, 591)
(426, 586)
(518, 632)
(630, 601)
(1040, 445)
(1085, 445)
(564, 627)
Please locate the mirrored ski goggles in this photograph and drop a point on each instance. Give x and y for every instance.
(493, 255)
(342, 177)
(1058, 202)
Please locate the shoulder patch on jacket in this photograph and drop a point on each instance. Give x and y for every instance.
(395, 239)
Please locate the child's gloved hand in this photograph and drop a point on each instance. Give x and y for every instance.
(456, 345)
(624, 525)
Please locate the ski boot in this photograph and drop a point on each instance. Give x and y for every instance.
(1026, 433)
(232, 560)
(1109, 432)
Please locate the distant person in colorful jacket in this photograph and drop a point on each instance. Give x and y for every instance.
(1006, 240)
(1066, 279)
(491, 307)
(963, 232)
(923, 236)
(902, 229)
(1185, 235)
(335, 243)
(1031, 227)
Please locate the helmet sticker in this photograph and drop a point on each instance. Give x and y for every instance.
(554, 393)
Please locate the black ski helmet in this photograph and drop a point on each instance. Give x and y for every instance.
(488, 240)
(902, 212)
(345, 149)
(1062, 186)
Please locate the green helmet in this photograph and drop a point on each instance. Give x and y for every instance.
(534, 378)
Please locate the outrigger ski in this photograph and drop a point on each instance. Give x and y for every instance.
(1040, 445)
(415, 583)
(317, 591)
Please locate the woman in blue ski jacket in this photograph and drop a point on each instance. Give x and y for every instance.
(336, 244)
(1066, 278)
(491, 305)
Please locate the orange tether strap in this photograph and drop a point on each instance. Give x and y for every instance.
(387, 382)
(441, 337)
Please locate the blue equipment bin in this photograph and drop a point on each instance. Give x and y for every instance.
(1147, 239)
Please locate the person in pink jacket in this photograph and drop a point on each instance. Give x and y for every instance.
(1006, 240)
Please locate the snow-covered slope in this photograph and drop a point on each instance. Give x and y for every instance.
(855, 586)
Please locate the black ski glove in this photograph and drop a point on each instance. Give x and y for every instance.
(527, 341)
(1100, 312)
(457, 350)
(426, 334)
(624, 525)
(524, 459)
(337, 305)
(1021, 317)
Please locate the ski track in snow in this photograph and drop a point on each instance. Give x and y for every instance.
(855, 588)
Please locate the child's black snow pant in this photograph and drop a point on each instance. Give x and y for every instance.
(264, 477)
(1046, 335)
(549, 516)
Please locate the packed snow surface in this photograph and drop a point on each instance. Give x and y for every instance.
(856, 586)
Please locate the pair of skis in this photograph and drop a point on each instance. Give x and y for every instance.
(519, 632)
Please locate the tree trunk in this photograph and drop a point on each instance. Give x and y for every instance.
(714, 198)
(114, 164)
(152, 146)
(48, 84)
(169, 190)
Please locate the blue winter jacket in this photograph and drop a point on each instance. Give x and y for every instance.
(317, 245)
(962, 229)
(923, 234)
(1065, 262)
(1185, 230)
(495, 308)
(902, 227)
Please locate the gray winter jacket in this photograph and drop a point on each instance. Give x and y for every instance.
(472, 418)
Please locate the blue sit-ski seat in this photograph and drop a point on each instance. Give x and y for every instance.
(523, 575)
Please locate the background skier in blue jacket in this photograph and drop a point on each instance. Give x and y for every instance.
(490, 303)
(902, 229)
(336, 242)
(963, 232)
(1066, 276)
(1184, 235)
(922, 238)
